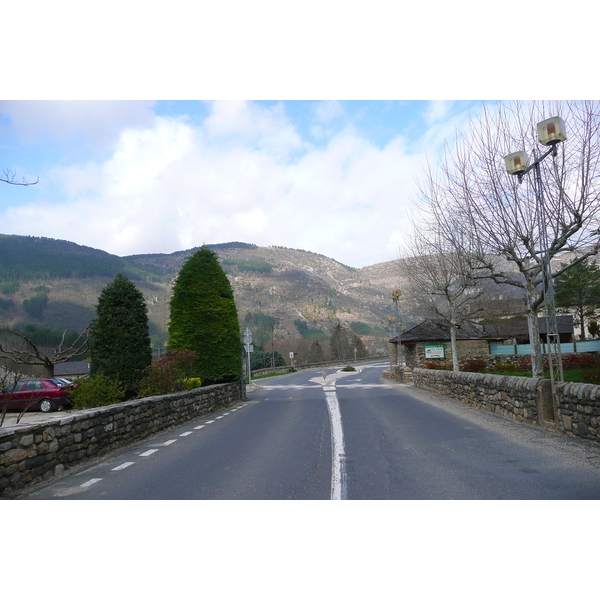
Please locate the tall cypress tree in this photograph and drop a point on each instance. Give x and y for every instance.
(120, 339)
(204, 319)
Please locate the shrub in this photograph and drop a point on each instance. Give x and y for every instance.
(172, 373)
(191, 383)
(506, 368)
(349, 368)
(99, 390)
(473, 365)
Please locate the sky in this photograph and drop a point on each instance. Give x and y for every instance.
(136, 177)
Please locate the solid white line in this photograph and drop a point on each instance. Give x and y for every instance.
(123, 466)
(186, 433)
(149, 452)
(339, 489)
(90, 482)
(169, 442)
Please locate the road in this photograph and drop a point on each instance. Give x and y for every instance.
(349, 436)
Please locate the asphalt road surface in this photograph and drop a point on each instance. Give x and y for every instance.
(345, 436)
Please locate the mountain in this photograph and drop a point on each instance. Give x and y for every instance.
(55, 284)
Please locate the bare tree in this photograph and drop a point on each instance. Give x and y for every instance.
(473, 193)
(9, 375)
(31, 354)
(440, 281)
(10, 177)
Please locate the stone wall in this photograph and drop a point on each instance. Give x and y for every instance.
(520, 398)
(579, 409)
(30, 454)
(575, 409)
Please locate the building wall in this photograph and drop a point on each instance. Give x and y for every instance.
(467, 349)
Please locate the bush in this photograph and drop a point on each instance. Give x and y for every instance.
(473, 365)
(349, 368)
(191, 383)
(172, 373)
(99, 390)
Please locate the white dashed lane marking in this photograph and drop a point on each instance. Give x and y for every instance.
(149, 452)
(90, 482)
(123, 466)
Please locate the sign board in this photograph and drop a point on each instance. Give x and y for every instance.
(291, 355)
(435, 351)
(249, 347)
(247, 336)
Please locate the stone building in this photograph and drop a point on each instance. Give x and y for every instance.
(430, 341)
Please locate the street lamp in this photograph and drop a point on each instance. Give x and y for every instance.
(551, 132)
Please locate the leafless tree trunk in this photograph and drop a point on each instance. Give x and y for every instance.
(440, 280)
(9, 375)
(473, 193)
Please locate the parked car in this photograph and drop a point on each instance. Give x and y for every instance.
(44, 395)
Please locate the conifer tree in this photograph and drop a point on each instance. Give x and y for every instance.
(204, 319)
(120, 339)
(578, 291)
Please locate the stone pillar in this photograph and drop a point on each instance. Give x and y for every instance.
(393, 354)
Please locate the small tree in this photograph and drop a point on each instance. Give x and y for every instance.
(577, 291)
(315, 353)
(120, 338)
(340, 343)
(23, 351)
(204, 319)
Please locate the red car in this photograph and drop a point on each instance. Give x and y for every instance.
(45, 395)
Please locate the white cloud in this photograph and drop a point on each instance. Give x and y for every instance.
(244, 174)
(98, 121)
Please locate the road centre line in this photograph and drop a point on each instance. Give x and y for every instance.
(168, 443)
(199, 427)
(186, 433)
(339, 482)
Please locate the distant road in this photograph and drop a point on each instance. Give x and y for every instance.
(349, 436)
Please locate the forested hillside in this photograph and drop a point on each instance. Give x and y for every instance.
(289, 297)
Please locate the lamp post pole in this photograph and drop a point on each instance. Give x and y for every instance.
(550, 132)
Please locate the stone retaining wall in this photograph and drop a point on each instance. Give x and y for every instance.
(30, 454)
(575, 409)
(521, 398)
(579, 409)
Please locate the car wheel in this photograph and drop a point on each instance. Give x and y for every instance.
(46, 406)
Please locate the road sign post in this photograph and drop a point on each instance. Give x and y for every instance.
(249, 349)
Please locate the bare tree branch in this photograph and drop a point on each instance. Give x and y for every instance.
(9, 177)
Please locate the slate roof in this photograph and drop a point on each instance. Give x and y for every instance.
(515, 329)
(431, 330)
